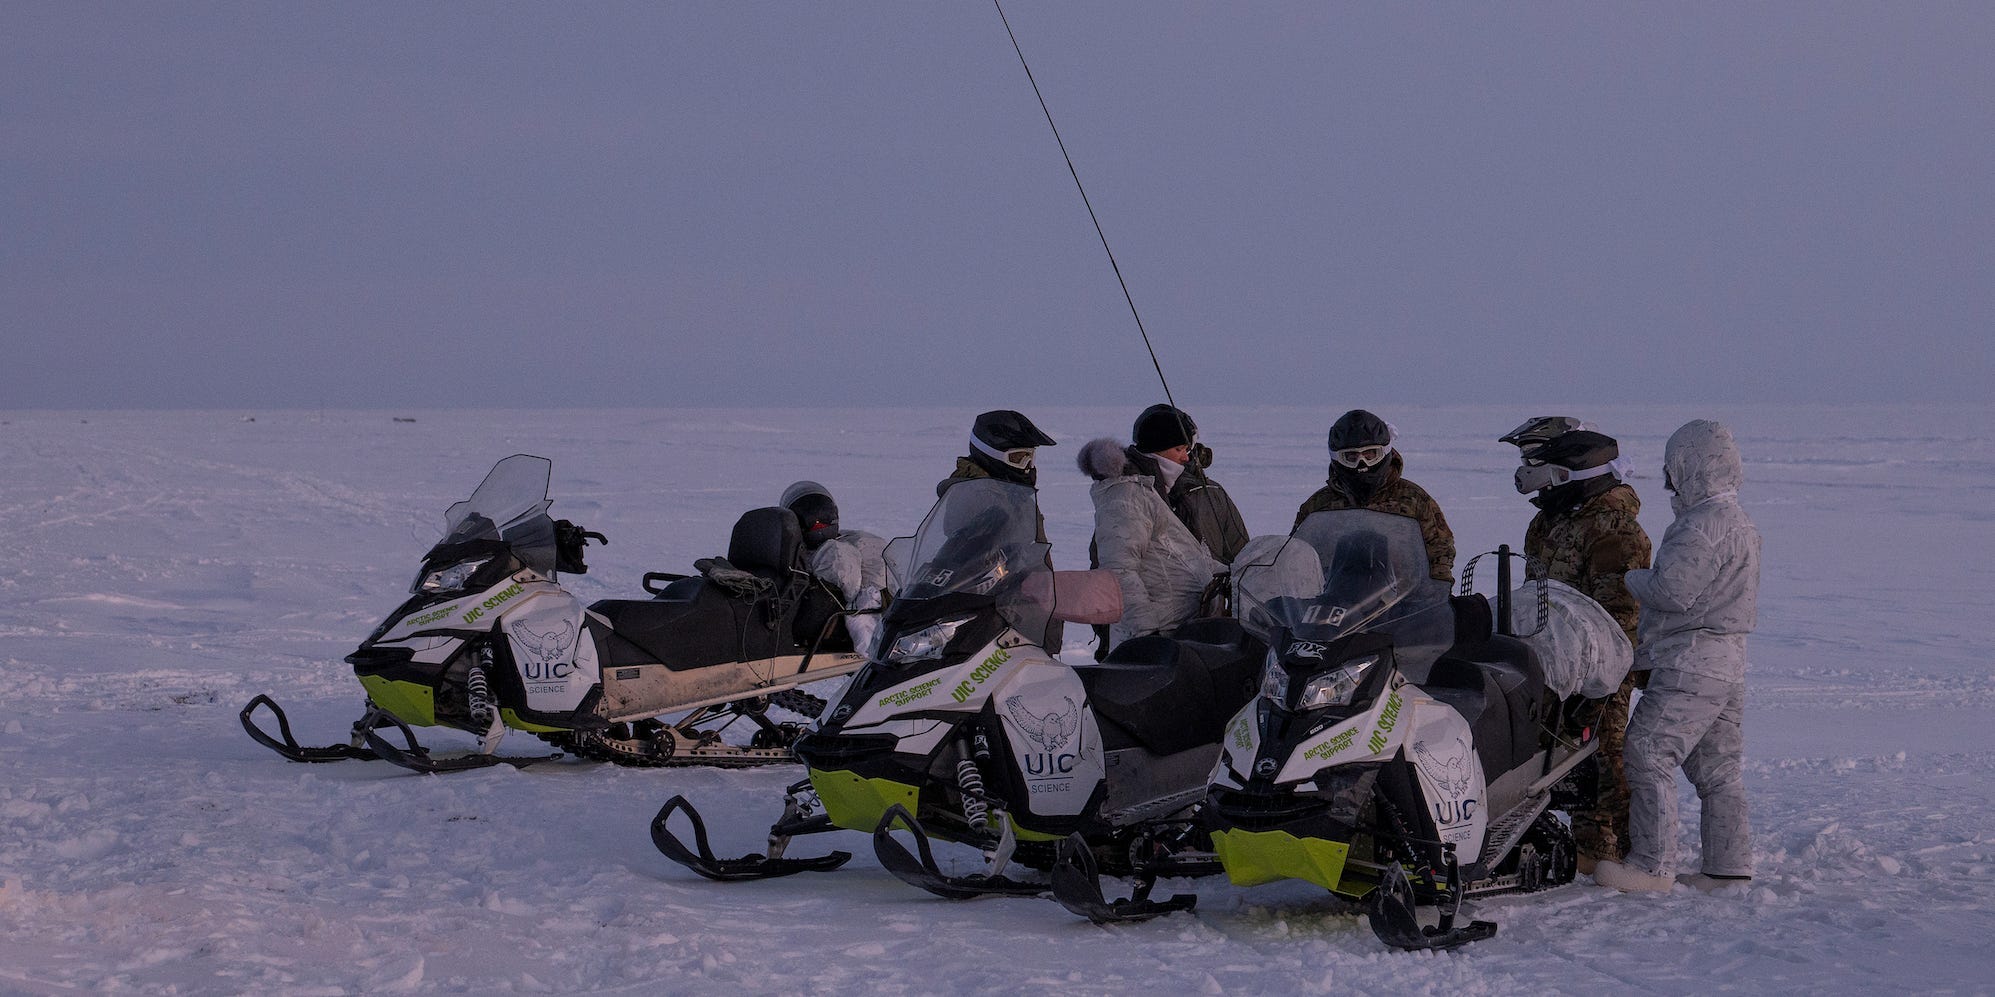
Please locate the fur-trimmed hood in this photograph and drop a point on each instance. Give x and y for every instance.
(1104, 458)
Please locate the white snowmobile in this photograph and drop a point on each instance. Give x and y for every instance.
(1401, 752)
(490, 641)
(963, 728)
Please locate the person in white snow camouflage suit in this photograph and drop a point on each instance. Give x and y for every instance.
(1163, 527)
(1699, 602)
(851, 561)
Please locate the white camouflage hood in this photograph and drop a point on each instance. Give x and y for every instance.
(1702, 462)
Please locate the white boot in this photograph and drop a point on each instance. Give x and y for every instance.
(1711, 884)
(1628, 879)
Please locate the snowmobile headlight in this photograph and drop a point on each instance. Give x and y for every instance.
(452, 578)
(925, 643)
(1335, 688)
(1274, 680)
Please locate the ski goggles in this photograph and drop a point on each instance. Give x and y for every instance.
(1361, 457)
(1019, 458)
(1536, 475)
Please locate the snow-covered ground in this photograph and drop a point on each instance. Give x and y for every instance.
(164, 567)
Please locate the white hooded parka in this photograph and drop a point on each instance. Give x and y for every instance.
(854, 562)
(1162, 568)
(1700, 599)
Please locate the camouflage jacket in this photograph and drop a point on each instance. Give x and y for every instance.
(967, 470)
(1591, 546)
(1399, 497)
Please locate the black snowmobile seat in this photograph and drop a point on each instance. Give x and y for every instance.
(1171, 693)
(767, 542)
(691, 625)
(1498, 694)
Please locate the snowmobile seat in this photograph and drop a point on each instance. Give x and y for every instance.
(1168, 694)
(1475, 694)
(690, 625)
(767, 542)
(1499, 695)
(694, 623)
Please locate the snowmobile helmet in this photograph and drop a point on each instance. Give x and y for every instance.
(818, 515)
(1007, 438)
(1162, 427)
(1570, 456)
(1360, 440)
(1536, 432)
(801, 489)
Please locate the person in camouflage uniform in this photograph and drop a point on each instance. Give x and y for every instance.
(1003, 444)
(1366, 472)
(1587, 535)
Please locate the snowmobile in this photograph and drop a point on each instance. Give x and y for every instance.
(963, 728)
(1402, 751)
(490, 641)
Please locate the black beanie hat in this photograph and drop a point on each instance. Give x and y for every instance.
(1359, 428)
(1162, 427)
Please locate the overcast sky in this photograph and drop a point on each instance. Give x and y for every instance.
(220, 205)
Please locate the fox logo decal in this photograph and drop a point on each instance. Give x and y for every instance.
(1051, 730)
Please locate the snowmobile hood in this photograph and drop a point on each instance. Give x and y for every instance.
(1702, 462)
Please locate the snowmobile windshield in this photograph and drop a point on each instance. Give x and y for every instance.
(979, 546)
(1345, 571)
(509, 506)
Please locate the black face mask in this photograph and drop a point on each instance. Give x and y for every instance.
(1361, 483)
(1563, 497)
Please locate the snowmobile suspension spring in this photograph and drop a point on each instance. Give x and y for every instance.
(971, 782)
(478, 690)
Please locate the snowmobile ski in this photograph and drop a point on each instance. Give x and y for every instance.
(1391, 913)
(289, 746)
(922, 871)
(416, 758)
(701, 859)
(1077, 886)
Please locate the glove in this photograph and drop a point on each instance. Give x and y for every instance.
(733, 580)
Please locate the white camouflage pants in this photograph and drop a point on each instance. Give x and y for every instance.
(1690, 722)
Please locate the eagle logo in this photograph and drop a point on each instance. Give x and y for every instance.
(546, 647)
(1453, 773)
(1053, 730)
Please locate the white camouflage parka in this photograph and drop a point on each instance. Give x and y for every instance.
(1162, 568)
(1700, 598)
(854, 562)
